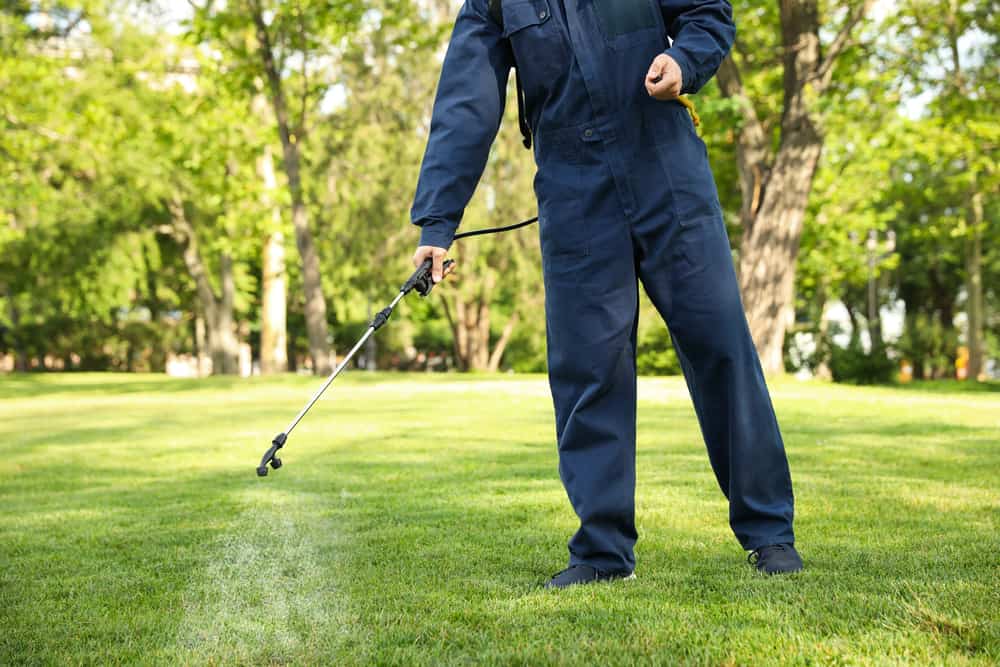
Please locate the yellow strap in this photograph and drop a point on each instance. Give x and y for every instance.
(691, 110)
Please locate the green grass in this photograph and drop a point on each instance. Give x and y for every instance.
(416, 517)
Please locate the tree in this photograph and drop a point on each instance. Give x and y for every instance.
(779, 147)
(287, 45)
(497, 272)
(75, 154)
(374, 145)
(216, 306)
(947, 50)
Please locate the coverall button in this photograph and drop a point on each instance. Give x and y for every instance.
(588, 133)
(542, 14)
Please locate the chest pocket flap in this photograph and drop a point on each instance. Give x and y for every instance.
(520, 14)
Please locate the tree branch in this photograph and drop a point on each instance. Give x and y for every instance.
(15, 122)
(183, 232)
(72, 25)
(731, 84)
(753, 151)
(843, 40)
(301, 129)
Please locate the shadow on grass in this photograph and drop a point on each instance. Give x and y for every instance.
(34, 385)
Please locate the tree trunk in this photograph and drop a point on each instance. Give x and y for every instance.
(775, 184)
(852, 317)
(473, 322)
(919, 357)
(273, 329)
(226, 347)
(462, 333)
(455, 331)
(21, 362)
(875, 341)
(273, 333)
(218, 311)
(822, 370)
(315, 303)
(199, 343)
(471, 332)
(481, 350)
(974, 309)
(472, 326)
(770, 248)
(158, 355)
(497, 355)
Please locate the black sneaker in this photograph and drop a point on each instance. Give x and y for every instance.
(776, 559)
(584, 574)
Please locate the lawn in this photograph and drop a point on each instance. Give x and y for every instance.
(417, 516)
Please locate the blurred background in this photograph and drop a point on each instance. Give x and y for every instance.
(222, 187)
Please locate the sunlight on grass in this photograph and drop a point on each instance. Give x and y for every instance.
(414, 531)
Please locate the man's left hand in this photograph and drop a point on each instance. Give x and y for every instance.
(664, 78)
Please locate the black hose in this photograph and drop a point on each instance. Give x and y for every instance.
(496, 230)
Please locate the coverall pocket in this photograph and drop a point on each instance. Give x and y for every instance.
(565, 266)
(684, 160)
(521, 14)
(695, 246)
(538, 44)
(565, 252)
(587, 255)
(628, 23)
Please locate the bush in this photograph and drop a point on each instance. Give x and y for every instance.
(930, 345)
(656, 355)
(853, 365)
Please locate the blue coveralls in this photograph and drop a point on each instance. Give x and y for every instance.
(625, 193)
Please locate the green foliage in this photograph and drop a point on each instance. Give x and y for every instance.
(930, 344)
(895, 161)
(526, 351)
(853, 365)
(74, 134)
(107, 115)
(656, 354)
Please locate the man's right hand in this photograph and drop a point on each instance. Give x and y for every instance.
(664, 80)
(437, 256)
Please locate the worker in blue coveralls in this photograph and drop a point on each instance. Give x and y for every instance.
(625, 194)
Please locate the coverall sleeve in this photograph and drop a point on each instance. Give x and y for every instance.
(467, 111)
(702, 32)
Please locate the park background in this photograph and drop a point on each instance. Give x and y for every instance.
(224, 188)
(212, 189)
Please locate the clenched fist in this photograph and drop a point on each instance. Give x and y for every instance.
(664, 80)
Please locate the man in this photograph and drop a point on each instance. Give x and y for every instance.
(625, 194)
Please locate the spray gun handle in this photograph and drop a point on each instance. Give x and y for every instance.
(421, 279)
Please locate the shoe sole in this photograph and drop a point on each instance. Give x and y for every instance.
(630, 577)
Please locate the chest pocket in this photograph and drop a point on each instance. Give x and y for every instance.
(539, 45)
(628, 23)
